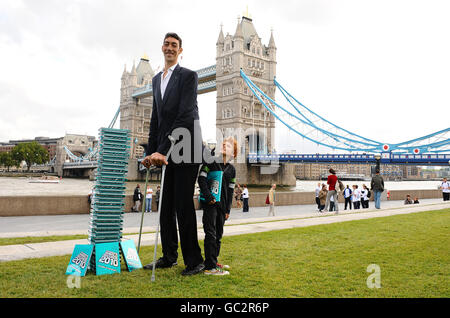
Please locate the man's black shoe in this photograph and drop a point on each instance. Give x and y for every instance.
(193, 270)
(160, 263)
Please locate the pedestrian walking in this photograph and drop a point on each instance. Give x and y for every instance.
(356, 197)
(445, 187)
(216, 182)
(245, 197)
(317, 191)
(377, 186)
(175, 110)
(365, 195)
(348, 197)
(148, 199)
(90, 196)
(137, 197)
(272, 200)
(157, 194)
(408, 200)
(332, 191)
(332, 207)
(238, 195)
(322, 197)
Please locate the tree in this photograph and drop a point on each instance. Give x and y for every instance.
(30, 152)
(7, 160)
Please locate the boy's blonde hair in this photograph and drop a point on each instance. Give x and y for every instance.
(232, 141)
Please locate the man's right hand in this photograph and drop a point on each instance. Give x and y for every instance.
(155, 159)
(158, 159)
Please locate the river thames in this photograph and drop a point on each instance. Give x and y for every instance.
(20, 186)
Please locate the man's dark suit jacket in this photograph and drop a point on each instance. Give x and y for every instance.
(177, 109)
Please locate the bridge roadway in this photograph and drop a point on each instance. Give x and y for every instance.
(424, 159)
(395, 159)
(256, 220)
(206, 83)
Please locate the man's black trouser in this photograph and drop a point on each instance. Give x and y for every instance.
(213, 221)
(446, 196)
(318, 202)
(349, 202)
(178, 205)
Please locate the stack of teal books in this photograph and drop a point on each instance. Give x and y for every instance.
(108, 202)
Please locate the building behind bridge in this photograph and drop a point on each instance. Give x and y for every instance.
(316, 171)
(78, 144)
(48, 143)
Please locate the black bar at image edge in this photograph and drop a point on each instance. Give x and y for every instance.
(215, 307)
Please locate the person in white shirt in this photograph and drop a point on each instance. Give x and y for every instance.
(148, 200)
(319, 187)
(356, 197)
(445, 187)
(365, 197)
(348, 198)
(245, 197)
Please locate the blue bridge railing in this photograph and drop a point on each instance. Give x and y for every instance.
(422, 159)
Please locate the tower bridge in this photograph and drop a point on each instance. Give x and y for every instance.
(244, 81)
(236, 107)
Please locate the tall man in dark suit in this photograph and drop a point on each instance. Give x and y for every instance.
(174, 110)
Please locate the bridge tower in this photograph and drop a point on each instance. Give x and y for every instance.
(135, 113)
(239, 113)
(237, 108)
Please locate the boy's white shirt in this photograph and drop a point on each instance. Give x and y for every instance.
(356, 195)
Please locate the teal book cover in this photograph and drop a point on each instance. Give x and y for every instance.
(214, 180)
(130, 254)
(107, 258)
(80, 260)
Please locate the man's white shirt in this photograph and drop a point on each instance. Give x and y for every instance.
(445, 187)
(165, 80)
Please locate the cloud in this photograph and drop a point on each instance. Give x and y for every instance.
(378, 69)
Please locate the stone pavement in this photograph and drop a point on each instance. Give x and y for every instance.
(239, 223)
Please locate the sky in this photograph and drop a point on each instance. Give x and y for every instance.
(377, 68)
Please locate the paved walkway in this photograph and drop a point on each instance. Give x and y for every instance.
(242, 223)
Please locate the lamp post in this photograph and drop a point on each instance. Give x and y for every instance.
(377, 158)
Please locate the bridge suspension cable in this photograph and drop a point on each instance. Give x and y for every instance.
(435, 142)
(313, 127)
(306, 129)
(92, 154)
(113, 121)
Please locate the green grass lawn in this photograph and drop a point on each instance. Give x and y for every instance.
(412, 251)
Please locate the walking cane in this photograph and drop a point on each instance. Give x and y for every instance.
(172, 141)
(143, 210)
